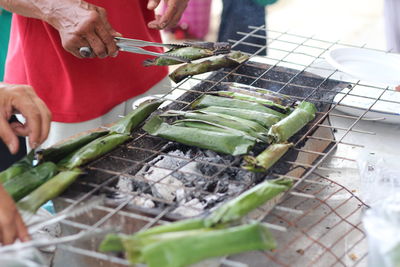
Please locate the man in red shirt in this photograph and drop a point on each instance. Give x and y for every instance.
(84, 93)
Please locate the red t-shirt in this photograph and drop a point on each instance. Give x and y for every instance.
(77, 90)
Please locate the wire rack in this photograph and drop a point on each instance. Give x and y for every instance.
(316, 223)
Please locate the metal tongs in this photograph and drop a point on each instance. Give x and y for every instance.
(135, 46)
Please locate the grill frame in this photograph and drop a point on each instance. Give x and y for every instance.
(283, 216)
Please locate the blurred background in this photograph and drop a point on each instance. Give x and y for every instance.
(357, 22)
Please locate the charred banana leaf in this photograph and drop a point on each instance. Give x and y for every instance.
(93, 150)
(232, 59)
(210, 101)
(193, 51)
(250, 127)
(232, 144)
(137, 116)
(267, 158)
(286, 128)
(247, 97)
(264, 119)
(235, 209)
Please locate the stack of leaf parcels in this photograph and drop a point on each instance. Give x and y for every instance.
(233, 120)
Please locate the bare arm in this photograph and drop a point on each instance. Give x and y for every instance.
(78, 22)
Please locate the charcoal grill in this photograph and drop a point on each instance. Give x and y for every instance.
(316, 223)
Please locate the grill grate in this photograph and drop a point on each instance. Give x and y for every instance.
(316, 223)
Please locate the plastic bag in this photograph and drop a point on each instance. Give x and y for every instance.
(380, 189)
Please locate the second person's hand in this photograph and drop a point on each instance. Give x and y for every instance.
(22, 99)
(172, 15)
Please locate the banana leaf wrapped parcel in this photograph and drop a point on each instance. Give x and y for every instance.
(247, 126)
(232, 59)
(227, 143)
(286, 128)
(258, 92)
(267, 158)
(191, 51)
(218, 101)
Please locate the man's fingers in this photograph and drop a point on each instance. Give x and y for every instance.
(97, 45)
(107, 33)
(22, 231)
(153, 4)
(8, 136)
(32, 114)
(398, 88)
(19, 129)
(9, 233)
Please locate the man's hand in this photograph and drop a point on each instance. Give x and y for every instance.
(82, 24)
(22, 99)
(172, 15)
(398, 88)
(11, 225)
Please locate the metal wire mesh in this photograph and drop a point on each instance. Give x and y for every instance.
(316, 223)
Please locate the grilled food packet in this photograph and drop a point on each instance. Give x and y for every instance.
(26, 182)
(191, 51)
(246, 126)
(232, 59)
(251, 199)
(135, 117)
(258, 92)
(217, 101)
(228, 143)
(93, 150)
(49, 190)
(264, 119)
(182, 248)
(17, 168)
(287, 127)
(267, 158)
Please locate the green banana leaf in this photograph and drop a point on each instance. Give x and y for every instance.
(93, 150)
(251, 98)
(250, 127)
(210, 101)
(58, 152)
(232, 144)
(264, 119)
(209, 126)
(251, 199)
(286, 128)
(24, 183)
(17, 168)
(184, 248)
(134, 118)
(49, 190)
